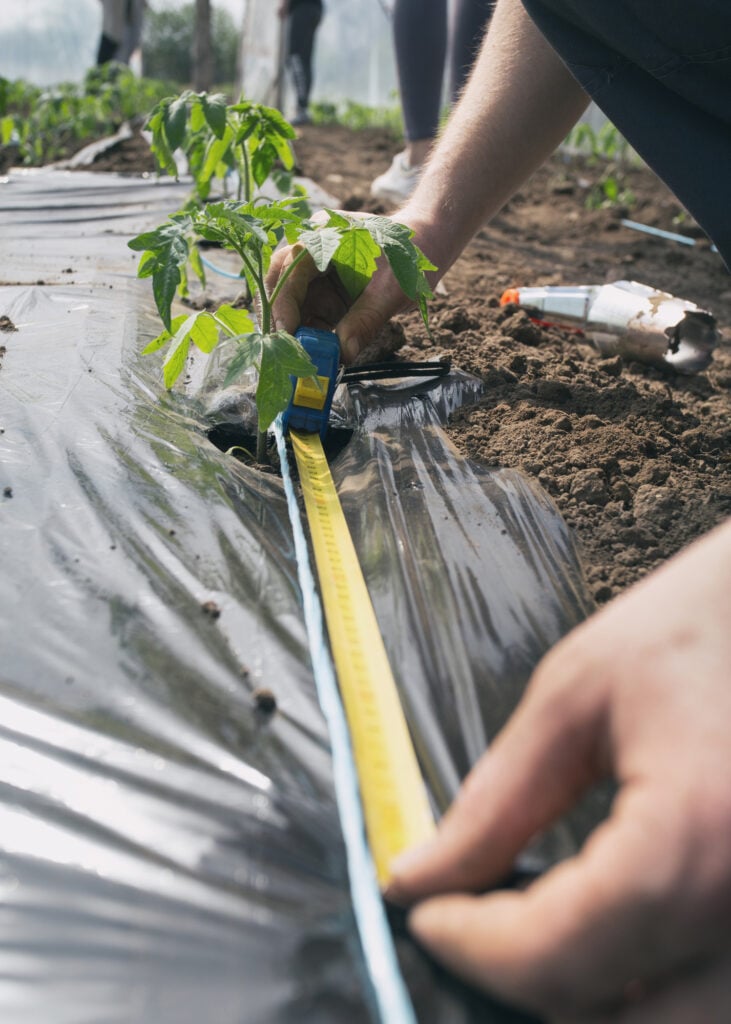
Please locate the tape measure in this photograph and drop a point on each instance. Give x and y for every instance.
(395, 803)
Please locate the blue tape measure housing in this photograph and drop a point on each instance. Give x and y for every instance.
(309, 406)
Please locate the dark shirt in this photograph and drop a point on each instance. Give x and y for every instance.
(661, 72)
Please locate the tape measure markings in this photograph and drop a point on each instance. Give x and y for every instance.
(395, 803)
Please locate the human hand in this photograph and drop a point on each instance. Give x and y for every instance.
(637, 927)
(315, 299)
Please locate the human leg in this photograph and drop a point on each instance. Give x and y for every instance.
(468, 22)
(420, 43)
(303, 22)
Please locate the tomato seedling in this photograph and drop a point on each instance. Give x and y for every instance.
(348, 245)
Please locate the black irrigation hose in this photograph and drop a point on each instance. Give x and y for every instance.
(396, 368)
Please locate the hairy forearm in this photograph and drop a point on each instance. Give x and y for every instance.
(518, 105)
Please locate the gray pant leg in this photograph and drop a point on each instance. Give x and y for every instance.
(420, 39)
(420, 31)
(469, 20)
(303, 22)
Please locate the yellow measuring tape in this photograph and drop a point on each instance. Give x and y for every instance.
(395, 803)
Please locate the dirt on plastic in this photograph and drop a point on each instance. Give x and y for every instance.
(638, 460)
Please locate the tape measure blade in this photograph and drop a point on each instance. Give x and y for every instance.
(395, 803)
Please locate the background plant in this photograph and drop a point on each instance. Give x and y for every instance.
(218, 138)
(50, 124)
(608, 150)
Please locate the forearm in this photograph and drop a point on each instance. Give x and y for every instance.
(518, 105)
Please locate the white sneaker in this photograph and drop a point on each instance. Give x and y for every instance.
(398, 182)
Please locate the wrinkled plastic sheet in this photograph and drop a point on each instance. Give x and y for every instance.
(169, 852)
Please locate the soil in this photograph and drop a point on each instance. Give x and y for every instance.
(637, 459)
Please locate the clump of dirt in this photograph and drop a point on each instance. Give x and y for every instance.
(637, 460)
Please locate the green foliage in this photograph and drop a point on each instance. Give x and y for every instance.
(167, 44)
(217, 138)
(610, 151)
(50, 124)
(358, 116)
(253, 228)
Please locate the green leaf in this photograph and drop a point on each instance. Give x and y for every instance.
(165, 281)
(178, 351)
(7, 128)
(355, 259)
(147, 264)
(174, 121)
(214, 111)
(249, 354)
(197, 264)
(215, 153)
(205, 332)
(263, 158)
(197, 116)
(406, 260)
(148, 239)
(281, 356)
(236, 321)
(321, 245)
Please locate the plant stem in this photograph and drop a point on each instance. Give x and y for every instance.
(278, 287)
(261, 448)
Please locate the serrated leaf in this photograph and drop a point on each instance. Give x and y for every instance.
(237, 321)
(156, 343)
(248, 354)
(263, 159)
(165, 281)
(215, 153)
(406, 260)
(281, 356)
(337, 220)
(322, 245)
(205, 333)
(174, 122)
(197, 117)
(214, 111)
(355, 260)
(147, 240)
(283, 150)
(178, 351)
(197, 264)
(147, 264)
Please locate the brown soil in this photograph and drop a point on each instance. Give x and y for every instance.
(637, 459)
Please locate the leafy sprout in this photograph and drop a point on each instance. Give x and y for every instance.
(255, 137)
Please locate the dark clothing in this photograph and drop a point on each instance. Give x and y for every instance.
(302, 22)
(661, 72)
(422, 37)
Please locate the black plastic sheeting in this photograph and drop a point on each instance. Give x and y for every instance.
(168, 851)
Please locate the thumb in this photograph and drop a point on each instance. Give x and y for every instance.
(544, 758)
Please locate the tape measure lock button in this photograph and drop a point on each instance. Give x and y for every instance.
(309, 406)
(311, 392)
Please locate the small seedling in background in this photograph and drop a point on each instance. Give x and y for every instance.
(608, 149)
(252, 229)
(217, 138)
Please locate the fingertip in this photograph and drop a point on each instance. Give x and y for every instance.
(349, 348)
(402, 873)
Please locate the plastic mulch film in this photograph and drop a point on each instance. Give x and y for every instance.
(169, 851)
